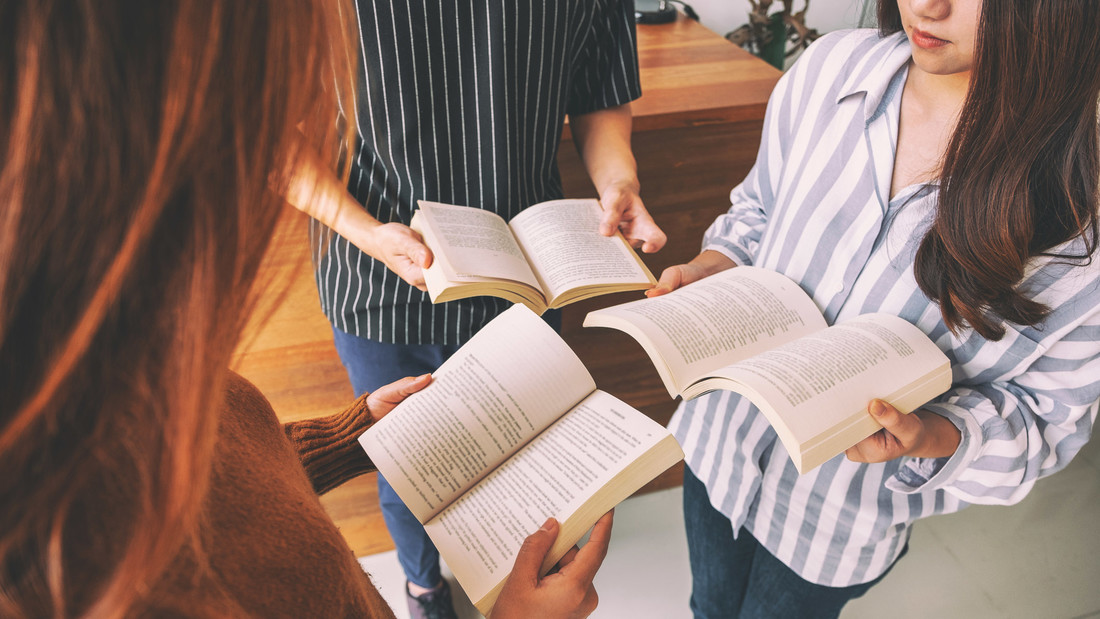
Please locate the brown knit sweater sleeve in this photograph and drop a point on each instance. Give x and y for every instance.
(328, 447)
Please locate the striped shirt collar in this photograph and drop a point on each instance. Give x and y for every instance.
(877, 76)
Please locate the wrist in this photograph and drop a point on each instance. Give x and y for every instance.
(364, 233)
(710, 262)
(625, 184)
(942, 437)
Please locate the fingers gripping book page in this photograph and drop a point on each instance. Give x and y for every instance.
(575, 471)
(713, 322)
(563, 242)
(509, 382)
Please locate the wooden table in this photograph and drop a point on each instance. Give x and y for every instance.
(696, 132)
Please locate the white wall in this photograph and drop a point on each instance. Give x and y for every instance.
(722, 16)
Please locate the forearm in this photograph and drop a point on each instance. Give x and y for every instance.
(710, 262)
(328, 447)
(940, 439)
(318, 192)
(602, 139)
(737, 232)
(705, 264)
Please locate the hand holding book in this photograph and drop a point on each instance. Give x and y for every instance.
(922, 434)
(680, 275)
(511, 431)
(550, 255)
(526, 593)
(526, 590)
(755, 332)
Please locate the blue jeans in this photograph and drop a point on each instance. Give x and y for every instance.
(740, 578)
(371, 365)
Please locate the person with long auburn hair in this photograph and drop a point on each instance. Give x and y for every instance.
(144, 147)
(943, 168)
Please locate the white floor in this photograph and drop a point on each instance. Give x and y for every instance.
(1037, 559)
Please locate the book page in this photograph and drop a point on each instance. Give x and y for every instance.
(819, 385)
(510, 381)
(714, 322)
(472, 244)
(564, 245)
(554, 475)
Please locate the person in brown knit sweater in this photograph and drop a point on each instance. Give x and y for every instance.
(144, 150)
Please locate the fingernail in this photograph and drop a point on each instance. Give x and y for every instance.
(877, 408)
(548, 525)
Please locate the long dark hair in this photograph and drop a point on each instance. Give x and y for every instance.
(1021, 171)
(144, 147)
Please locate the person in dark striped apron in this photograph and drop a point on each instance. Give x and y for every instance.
(464, 103)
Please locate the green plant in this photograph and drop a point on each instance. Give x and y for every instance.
(774, 36)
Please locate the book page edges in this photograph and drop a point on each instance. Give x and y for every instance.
(656, 460)
(581, 293)
(443, 286)
(664, 370)
(587, 291)
(442, 291)
(811, 452)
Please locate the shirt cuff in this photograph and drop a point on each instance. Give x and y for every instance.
(328, 447)
(923, 474)
(737, 254)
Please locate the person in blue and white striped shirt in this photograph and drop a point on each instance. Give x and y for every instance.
(944, 169)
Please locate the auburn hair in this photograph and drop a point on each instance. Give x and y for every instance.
(144, 147)
(1020, 174)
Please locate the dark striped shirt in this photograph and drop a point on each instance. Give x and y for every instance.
(464, 103)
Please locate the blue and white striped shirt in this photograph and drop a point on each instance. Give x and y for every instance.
(816, 207)
(464, 102)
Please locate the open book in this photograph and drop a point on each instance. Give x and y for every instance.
(511, 431)
(550, 255)
(755, 332)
